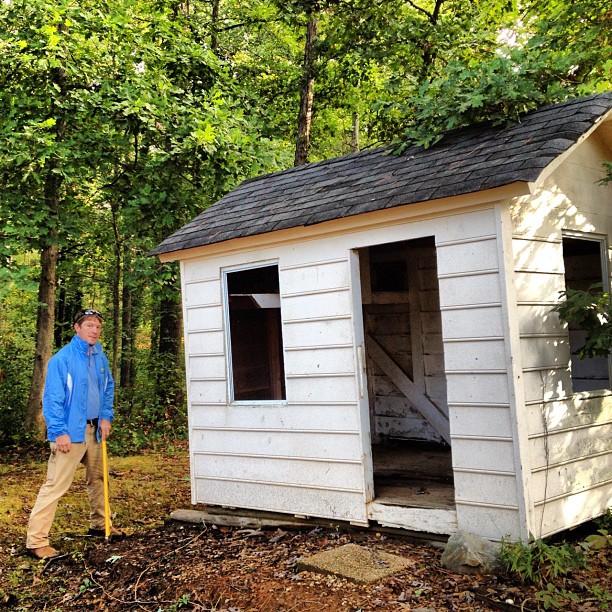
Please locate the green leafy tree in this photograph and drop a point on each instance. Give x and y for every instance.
(44, 144)
(510, 61)
(120, 120)
(590, 311)
(117, 127)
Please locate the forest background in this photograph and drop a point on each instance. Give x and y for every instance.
(121, 120)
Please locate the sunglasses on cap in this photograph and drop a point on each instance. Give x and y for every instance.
(87, 313)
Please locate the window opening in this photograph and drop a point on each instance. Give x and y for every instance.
(584, 266)
(257, 366)
(388, 268)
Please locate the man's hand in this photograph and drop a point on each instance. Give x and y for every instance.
(63, 443)
(105, 428)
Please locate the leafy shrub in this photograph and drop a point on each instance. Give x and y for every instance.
(552, 597)
(591, 311)
(16, 359)
(605, 521)
(15, 374)
(543, 565)
(600, 540)
(153, 412)
(539, 563)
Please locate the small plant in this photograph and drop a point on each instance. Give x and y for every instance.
(181, 602)
(552, 597)
(602, 596)
(542, 564)
(605, 521)
(600, 540)
(539, 563)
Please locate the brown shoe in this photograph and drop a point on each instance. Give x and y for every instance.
(44, 552)
(115, 534)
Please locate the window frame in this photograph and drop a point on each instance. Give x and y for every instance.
(602, 240)
(228, 333)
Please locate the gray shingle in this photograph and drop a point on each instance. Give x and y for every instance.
(468, 160)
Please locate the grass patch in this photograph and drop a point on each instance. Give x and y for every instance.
(144, 490)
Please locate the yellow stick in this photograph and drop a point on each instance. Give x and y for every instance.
(107, 521)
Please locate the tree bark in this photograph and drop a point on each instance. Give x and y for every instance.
(170, 376)
(61, 315)
(45, 312)
(429, 53)
(116, 294)
(127, 332)
(307, 92)
(45, 317)
(169, 327)
(355, 134)
(214, 28)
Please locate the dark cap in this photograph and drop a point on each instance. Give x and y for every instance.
(87, 312)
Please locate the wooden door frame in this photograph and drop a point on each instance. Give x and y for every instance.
(361, 374)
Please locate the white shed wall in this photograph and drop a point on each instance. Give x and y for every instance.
(303, 455)
(570, 435)
(481, 394)
(310, 454)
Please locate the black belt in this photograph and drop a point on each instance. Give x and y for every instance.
(93, 422)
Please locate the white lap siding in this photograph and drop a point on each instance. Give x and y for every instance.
(570, 435)
(300, 456)
(481, 397)
(571, 446)
(306, 455)
(505, 365)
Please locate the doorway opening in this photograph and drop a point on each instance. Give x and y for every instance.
(409, 424)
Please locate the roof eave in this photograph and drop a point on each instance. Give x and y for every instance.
(353, 223)
(560, 159)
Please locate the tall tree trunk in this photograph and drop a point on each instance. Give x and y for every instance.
(355, 134)
(127, 331)
(429, 52)
(170, 327)
(116, 294)
(307, 92)
(214, 26)
(45, 317)
(45, 312)
(170, 377)
(60, 314)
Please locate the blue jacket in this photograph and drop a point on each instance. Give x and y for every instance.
(66, 389)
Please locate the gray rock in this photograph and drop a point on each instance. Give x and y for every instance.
(467, 553)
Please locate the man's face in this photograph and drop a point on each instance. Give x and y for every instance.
(89, 329)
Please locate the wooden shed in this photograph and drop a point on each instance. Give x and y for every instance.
(370, 338)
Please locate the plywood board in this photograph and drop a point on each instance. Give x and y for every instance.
(202, 293)
(325, 275)
(430, 411)
(431, 520)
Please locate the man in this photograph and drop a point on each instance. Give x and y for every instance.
(78, 411)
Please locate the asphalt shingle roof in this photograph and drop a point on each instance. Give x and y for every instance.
(469, 160)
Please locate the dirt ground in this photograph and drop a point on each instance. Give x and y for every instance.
(164, 566)
(196, 567)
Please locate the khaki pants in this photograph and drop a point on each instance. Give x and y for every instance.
(60, 473)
